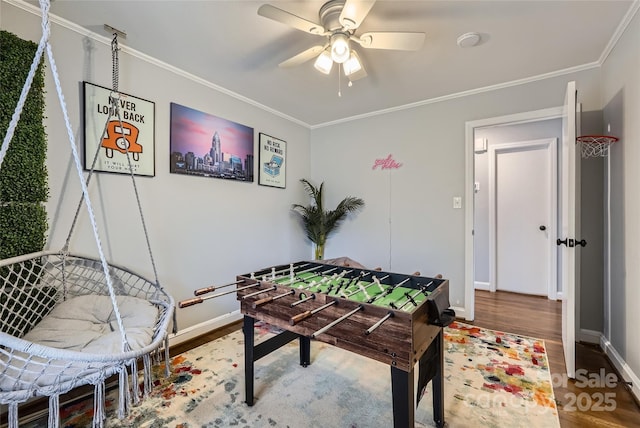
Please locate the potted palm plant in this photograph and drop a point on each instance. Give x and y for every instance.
(319, 223)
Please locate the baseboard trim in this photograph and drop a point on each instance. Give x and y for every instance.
(461, 312)
(478, 285)
(590, 336)
(204, 327)
(621, 366)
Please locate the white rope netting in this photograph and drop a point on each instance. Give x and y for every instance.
(592, 146)
(32, 285)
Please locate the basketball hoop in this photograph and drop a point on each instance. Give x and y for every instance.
(592, 146)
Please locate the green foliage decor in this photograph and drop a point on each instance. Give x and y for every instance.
(23, 173)
(319, 223)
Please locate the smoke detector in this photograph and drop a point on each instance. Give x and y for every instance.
(468, 40)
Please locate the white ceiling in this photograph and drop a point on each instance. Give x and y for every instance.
(228, 44)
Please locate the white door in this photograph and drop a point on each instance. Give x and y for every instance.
(522, 208)
(568, 215)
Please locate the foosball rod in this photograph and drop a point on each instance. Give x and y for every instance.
(271, 299)
(211, 289)
(364, 288)
(411, 297)
(378, 324)
(289, 269)
(304, 315)
(356, 278)
(196, 300)
(336, 322)
(313, 282)
(297, 273)
(337, 277)
(324, 272)
(306, 299)
(388, 291)
(255, 293)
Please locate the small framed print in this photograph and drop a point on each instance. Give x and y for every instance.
(135, 135)
(272, 162)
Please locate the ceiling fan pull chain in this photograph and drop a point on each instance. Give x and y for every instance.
(339, 70)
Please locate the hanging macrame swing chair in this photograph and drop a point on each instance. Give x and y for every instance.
(69, 320)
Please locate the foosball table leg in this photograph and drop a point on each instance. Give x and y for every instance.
(402, 384)
(305, 351)
(247, 329)
(438, 383)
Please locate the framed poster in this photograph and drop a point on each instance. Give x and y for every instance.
(136, 135)
(272, 162)
(208, 146)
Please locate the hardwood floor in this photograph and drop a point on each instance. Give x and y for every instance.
(529, 316)
(589, 406)
(541, 318)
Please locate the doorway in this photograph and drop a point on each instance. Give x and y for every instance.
(522, 194)
(515, 196)
(500, 130)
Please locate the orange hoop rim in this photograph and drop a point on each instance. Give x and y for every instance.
(598, 139)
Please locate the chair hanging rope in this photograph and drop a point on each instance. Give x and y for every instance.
(40, 355)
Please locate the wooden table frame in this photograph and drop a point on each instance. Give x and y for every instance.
(402, 382)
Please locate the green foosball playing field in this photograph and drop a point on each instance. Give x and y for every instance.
(366, 288)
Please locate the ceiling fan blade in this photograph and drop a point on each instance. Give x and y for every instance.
(290, 19)
(302, 57)
(391, 40)
(354, 12)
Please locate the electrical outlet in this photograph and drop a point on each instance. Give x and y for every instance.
(457, 202)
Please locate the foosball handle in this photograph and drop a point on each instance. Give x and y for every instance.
(262, 302)
(190, 302)
(300, 317)
(201, 291)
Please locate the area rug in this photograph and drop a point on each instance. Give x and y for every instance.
(492, 379)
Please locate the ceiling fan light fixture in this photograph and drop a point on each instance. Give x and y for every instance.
(352, 65)
(324, 62)
(340, 50)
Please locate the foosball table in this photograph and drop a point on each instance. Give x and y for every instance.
(393, 318)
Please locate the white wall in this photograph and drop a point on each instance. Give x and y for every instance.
(203, 231)
(551, 128)
(408, 223)
(621, 101)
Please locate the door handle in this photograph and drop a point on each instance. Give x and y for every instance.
(568, 242)
(571, 242)
(543, 227)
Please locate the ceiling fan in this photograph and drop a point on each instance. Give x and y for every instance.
(340, 20)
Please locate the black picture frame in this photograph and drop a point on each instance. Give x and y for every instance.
(110, 152)
(272, 161)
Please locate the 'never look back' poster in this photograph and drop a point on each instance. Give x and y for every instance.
(134, 135)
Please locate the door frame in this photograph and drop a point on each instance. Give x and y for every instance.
(470, 126)
(551, 144)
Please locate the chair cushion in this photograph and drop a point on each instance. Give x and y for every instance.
(88, 324)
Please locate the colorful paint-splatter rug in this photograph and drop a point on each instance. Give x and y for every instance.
(492, 379)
